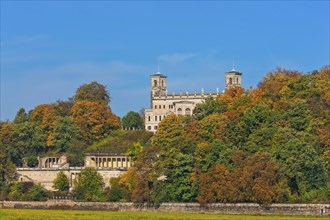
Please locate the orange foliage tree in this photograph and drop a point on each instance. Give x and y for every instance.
(215, 185)
(258, 179)
(95, 119)
(46, 115)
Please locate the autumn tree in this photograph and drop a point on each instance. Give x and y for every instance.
(94, 92)
(259, 180)
(274, 84)
(144, 175)
(8, 142)
(95, 120)
(216, 185)
(127, 183)
(45, 116)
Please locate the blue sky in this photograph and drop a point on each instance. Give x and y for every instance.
(49, 49)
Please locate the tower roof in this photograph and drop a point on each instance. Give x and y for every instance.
(159, 74)
(233, 71)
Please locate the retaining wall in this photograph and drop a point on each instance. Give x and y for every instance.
(216, 208)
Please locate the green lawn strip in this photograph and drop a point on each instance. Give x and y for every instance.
(16, 214)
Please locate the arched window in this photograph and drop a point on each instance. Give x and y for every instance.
(230, 81)
(179, 111)
(155, 83)
(187, 111)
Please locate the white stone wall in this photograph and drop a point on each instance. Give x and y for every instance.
(46, 176)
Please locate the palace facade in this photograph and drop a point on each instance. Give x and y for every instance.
(163, 104)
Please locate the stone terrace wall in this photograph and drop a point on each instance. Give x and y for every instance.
(216, 208)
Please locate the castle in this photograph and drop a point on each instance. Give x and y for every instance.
(163, 104)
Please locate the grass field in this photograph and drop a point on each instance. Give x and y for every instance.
(73, 214)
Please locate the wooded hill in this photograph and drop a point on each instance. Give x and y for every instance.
(268, 144)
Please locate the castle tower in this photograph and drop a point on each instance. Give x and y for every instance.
(233, 79)
(158, 85)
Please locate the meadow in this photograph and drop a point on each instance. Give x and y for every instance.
(15, 214)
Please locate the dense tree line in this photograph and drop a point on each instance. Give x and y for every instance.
(269, 144)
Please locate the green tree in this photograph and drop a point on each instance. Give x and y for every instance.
(64, 107)
(170, 132)
(178, 178)
(37, 193)
(116, 193)
(132, 120)
(76, 153)
(16, 191)
(61, 182)
(7, 170)
(21, 116)
(209, 154)
(30, 140)
(65, 133)
(210, 106)
(300, 162)
(89, 186)
(134, 150)
(93, 91)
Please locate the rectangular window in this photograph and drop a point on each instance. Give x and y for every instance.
(155, 106)
(160, 106)
(160, 118)
(149, 118)
(163, 106)
(149, 128)
(156, 118)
